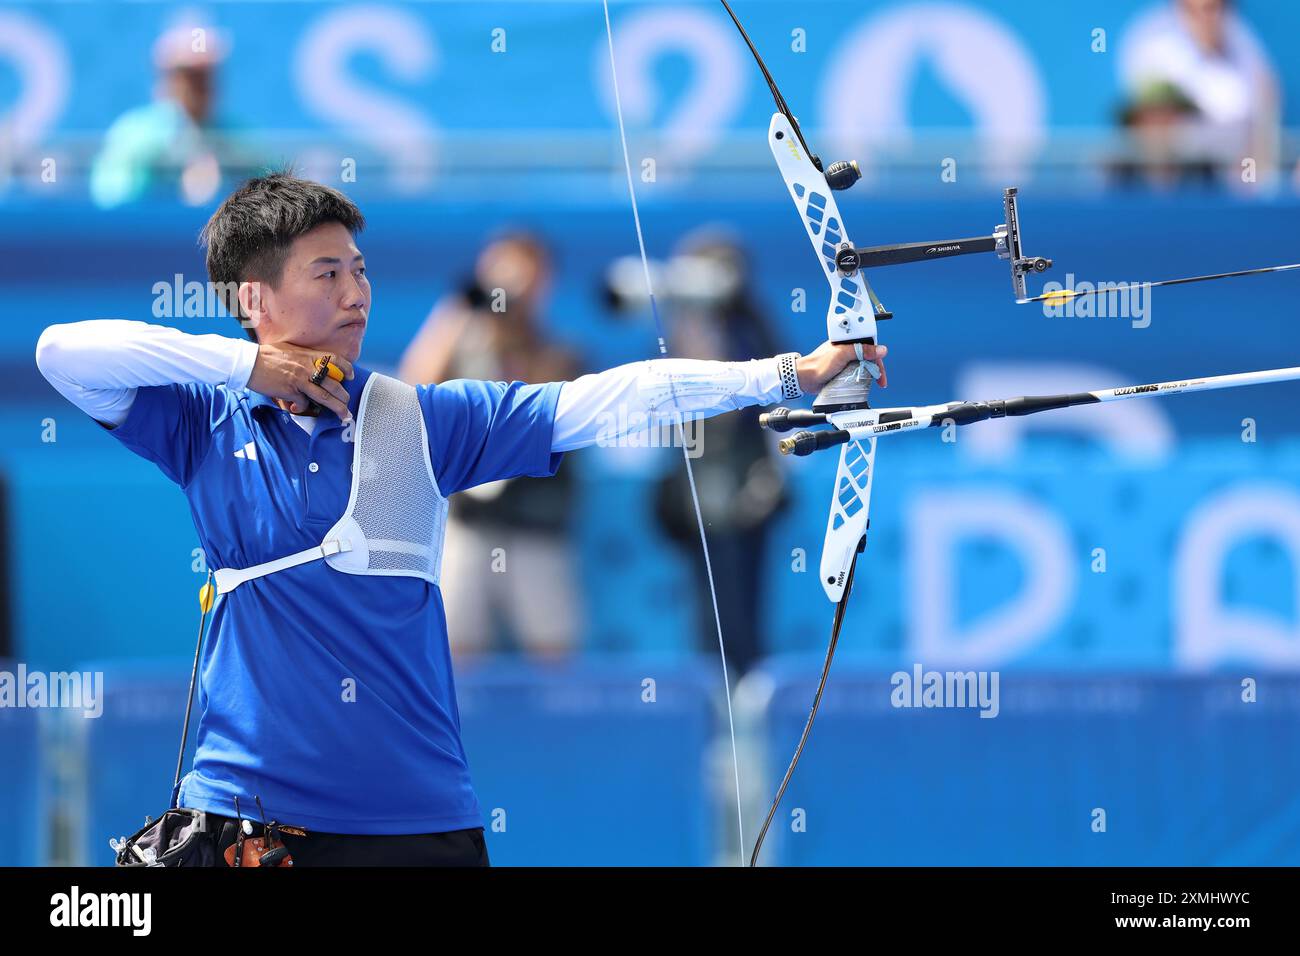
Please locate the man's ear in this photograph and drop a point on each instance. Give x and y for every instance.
(255, 306)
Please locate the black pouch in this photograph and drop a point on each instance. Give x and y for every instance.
(180, 837)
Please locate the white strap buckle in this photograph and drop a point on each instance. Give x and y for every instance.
(230, 578)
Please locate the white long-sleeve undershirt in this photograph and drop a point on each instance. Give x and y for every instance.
(631, 398)
(98, 364)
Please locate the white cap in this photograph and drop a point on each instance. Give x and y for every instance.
(190, 41)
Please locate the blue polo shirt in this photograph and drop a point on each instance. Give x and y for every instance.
(329, 695)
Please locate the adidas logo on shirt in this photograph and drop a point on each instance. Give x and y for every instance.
(249, 451)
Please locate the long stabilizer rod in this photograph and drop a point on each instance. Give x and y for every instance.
(869, 423)
(1064, 295)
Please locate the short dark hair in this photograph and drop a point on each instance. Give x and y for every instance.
(249, 236)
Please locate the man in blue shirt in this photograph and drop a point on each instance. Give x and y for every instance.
(329, 697)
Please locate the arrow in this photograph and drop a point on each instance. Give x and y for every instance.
(1062, 295)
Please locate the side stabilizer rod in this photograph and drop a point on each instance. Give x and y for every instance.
(875, 423)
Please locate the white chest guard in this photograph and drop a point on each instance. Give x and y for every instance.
(396, 517)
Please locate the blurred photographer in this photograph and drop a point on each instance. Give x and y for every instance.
(490, 329)
(705, 291)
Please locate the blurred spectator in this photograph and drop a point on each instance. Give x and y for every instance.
(172, 143)
(491, 330)
(1159, 121)
(1205, 50)
(737, 474)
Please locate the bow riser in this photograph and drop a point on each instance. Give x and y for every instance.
(850, 317)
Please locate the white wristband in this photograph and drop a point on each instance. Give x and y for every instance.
(790, 389)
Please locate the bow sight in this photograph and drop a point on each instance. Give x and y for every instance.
(1005, 241)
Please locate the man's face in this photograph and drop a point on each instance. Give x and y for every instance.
(515, 268)
(1207, 19)
(191, 87)
(323, 298)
